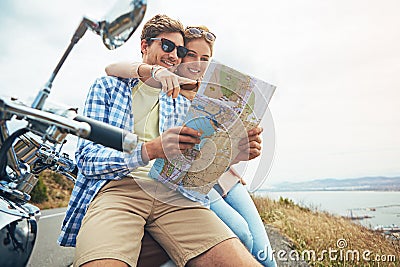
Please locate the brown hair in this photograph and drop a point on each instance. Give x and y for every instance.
(160, 24)
(190, 37)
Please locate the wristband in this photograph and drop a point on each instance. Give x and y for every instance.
(153, 71)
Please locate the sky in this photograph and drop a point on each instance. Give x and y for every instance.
(336, 64)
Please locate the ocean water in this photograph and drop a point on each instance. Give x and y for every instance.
(383, 207)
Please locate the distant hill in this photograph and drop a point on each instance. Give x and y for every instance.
(379, 183)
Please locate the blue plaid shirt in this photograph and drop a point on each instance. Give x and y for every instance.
(110, 101)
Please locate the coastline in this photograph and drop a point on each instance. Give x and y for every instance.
(371, 208)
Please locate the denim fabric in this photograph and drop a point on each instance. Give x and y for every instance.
(238, 212)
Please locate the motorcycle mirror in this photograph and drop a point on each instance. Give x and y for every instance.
(116, 29)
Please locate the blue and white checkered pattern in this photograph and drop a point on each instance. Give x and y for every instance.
(172, 111)
(110, 101)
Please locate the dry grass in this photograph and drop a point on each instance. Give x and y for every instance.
(318, 231)
(59, 190)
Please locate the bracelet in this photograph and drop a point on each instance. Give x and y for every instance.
(153, 71)
(137, 70)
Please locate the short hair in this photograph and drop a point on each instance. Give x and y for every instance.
(190, 37)
(160, 24)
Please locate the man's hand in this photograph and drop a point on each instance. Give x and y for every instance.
(171, 82)
(249, 147)
(171, 143)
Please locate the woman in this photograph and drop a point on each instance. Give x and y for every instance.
(235, 207)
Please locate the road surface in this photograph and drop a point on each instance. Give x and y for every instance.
(47, 253)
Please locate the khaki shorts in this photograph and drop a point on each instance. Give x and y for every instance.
(114, 224)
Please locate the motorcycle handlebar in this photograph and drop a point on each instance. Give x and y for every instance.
(76, 128)
(81, 126)
(109, 135)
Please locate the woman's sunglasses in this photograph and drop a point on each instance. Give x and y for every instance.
(169, 46)
(199, 32)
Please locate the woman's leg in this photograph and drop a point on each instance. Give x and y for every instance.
(231, 218)
(239, 199)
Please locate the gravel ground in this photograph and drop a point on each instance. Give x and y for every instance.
(283, 248)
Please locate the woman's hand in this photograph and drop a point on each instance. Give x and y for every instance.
(170, 82)
(250, 147)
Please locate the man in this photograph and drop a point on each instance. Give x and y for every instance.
(114, 200)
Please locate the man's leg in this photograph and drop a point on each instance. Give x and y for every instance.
(105, 263)
(151, 254)
(230, 253)
(113, 226)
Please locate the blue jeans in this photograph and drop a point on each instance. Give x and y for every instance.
(238, 212)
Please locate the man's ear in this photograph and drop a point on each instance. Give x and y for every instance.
(144, 46)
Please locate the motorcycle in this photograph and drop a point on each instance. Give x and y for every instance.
(28, 151)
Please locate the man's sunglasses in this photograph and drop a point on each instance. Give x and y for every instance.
(199, 32)
(169, 46)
